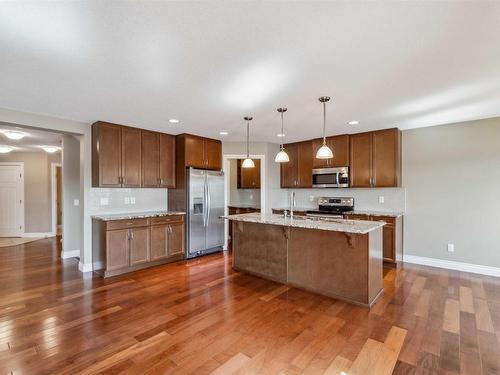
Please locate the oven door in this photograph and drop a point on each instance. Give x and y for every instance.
(325, 178)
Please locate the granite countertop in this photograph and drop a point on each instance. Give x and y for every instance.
(244, 205)
(335, 225)
(376, 213)
(137, 215)
(296, 209)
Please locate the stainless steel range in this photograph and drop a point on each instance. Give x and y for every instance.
(332, 207)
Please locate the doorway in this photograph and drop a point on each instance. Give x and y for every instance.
(11, 199)
(244, 188)
(57, 204)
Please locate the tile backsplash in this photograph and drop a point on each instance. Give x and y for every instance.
(394, 199)
(127, 200)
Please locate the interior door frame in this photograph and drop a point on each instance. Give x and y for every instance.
(263, 182)
(21, 194)
(53, 189)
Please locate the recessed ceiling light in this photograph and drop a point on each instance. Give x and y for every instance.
(280, 134)
(173, 121)
(12, 134)
(5, 149)
(353, 122)
(51, 149)
(223, 133)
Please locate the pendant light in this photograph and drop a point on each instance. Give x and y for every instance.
(248, 163)
(324, 152)
(282, 156)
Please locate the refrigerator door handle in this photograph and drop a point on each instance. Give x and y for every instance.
(205, 208)
(209, 202)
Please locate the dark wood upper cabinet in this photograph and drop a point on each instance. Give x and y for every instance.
(361, 160)
(106, 155)
(124, 156)
(167, 161)
(150, 143)
(200, 152)
(213, 151)
(297, 173)
(289, 170)
(131, 157)
(248, 178)
(376, 159)
(386, 158)
(340, 147)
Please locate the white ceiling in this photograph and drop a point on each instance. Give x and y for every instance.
(32, 141)
(406, 64)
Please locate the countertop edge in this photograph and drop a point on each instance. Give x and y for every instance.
(135, 215)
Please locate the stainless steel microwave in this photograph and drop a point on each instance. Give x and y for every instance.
(330, 177)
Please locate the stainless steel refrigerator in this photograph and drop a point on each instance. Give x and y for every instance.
(205, 199)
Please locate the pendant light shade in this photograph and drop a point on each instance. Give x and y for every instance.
(324, 152)
(248, 163)
(282, 156)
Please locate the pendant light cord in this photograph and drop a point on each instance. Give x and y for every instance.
(248, 131)
(282, 134)
(324, 123)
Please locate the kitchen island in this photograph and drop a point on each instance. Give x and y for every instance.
(337, 258)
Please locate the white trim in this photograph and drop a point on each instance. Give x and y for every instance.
(70, 254)
(53, 188)
(84, 267)
(452, 265)
(21, 195)
(38, 234)
(225, 168)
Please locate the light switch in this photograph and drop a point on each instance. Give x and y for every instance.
(76, 202)
(132, 200)
(451, 248)
(104, 201)
(126, 200)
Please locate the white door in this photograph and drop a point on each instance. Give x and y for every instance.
(11, 200)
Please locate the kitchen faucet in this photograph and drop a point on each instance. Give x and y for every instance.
(292, 203)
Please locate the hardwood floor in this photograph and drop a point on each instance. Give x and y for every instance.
(200, 317)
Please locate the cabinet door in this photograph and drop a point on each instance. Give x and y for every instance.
(139, 245)
(304, 166)
(195, 152)
(131, 157)
(117, 249)
(176, 239)
(389, 248)
(386, 158)
(361, 159)
(159, 247)
(108, 147)
(340, 146)
(249, 178)
(167, 161)
(150, 144)
(289, 170)
(213, 154)
(255, 180)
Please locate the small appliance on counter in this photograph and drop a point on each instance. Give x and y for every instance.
(330, 177)
(332, 207)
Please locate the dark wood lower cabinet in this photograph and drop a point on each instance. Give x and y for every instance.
(121, 246)
(392, 235)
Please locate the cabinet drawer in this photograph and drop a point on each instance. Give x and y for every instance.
(123, 224)
(357, 217)
(166, 219)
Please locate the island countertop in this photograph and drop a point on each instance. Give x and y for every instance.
(136, 215)
(335, 225)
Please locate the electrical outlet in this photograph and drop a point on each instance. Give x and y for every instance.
(451, 248)
(132, 200)
(381, 199)
(104, 201)
(76, 202)
(126, 200)
(311, 198)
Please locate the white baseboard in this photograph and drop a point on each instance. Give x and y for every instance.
(85, 267)
(70, 254)
(38, 234)
(452, 265)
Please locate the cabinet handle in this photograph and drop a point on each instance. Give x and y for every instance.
(131, 234)
(120, 179)
(128, 235)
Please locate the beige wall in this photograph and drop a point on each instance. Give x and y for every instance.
(37, 188)
(71, 192)
(452, 178)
